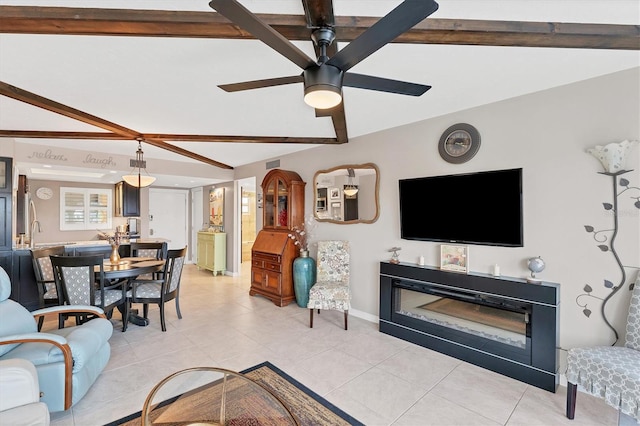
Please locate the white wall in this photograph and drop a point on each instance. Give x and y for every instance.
(546, 134)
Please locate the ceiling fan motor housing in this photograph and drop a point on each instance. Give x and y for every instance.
(323, 77)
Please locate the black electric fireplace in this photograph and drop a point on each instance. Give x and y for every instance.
(506, 325)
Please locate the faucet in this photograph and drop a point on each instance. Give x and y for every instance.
(33, 232)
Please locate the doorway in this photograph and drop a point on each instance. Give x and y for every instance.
(168, 213)
(247, 219)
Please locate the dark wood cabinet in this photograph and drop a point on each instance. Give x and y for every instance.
(24, 288)
(273, 251)
(23, 189)
(127, 200)
(6, 174)
(6, 261)
(6, 200)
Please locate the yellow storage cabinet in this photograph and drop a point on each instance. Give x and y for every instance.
(212, 251)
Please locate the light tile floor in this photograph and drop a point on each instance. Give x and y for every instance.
(378, 379)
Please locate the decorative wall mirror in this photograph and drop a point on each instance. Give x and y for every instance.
(347, 194)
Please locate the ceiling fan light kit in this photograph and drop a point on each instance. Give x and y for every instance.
(322, 86)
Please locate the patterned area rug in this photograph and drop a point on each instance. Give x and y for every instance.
(306, 406)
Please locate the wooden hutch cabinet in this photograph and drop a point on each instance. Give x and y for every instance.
(273, 251)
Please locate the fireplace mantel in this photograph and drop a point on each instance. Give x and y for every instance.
(533, 360)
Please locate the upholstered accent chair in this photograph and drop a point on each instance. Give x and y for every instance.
(20, 402)
(610, 372)
(160, 291)
(47, 290)
(68, 361)
(82, 281)
(331, 290)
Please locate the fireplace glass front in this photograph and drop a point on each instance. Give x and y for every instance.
(490, 323)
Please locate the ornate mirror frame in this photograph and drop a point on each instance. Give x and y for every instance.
(330, 200)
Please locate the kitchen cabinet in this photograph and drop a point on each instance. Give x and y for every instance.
(6, 201)
(273, 251)
(272, 258)
(6, 261)
(212, 251)
(127, 200)
(22, 227)
(24, 288)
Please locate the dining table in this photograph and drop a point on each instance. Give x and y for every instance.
(129, 268)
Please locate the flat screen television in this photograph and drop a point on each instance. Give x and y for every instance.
(483, 208)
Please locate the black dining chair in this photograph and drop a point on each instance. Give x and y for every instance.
(48, 293)
(82, 281)
(103, 250)
(157, 250)
(160, 291)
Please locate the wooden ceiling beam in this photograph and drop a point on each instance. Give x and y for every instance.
(67, 111)
(46, 134)
(156, 23)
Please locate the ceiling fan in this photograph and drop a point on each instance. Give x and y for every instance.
(325, 77)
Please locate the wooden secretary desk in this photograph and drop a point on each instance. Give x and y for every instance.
(273, 251)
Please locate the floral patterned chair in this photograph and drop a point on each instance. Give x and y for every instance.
(610, 372)
(331, 291)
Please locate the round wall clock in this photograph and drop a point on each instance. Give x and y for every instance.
(459, 143)
(44, 193)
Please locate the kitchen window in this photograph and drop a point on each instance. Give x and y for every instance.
(85, 209)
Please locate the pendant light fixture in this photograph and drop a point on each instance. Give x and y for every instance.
(139, 180)
(350, 189)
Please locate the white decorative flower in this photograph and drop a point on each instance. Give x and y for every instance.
(613, 156)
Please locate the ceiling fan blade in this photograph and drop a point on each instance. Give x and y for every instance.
(258, 84)
(362, 81)
(406, 15)
(241, 16)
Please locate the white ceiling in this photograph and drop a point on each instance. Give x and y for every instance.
(169, 85)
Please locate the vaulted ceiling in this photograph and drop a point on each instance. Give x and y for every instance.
(99, 78)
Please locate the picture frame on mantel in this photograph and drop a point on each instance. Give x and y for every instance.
(454, 258)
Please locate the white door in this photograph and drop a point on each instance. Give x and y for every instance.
(168, 216)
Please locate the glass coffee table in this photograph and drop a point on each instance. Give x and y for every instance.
(213, 396)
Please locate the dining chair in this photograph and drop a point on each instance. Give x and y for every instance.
(160, 291)
(103, 250)
(331, 290)
(157, 250)
(82, 281)
(610, 372)
(48, 292)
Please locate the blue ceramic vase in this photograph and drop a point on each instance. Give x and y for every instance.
(304, 276)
